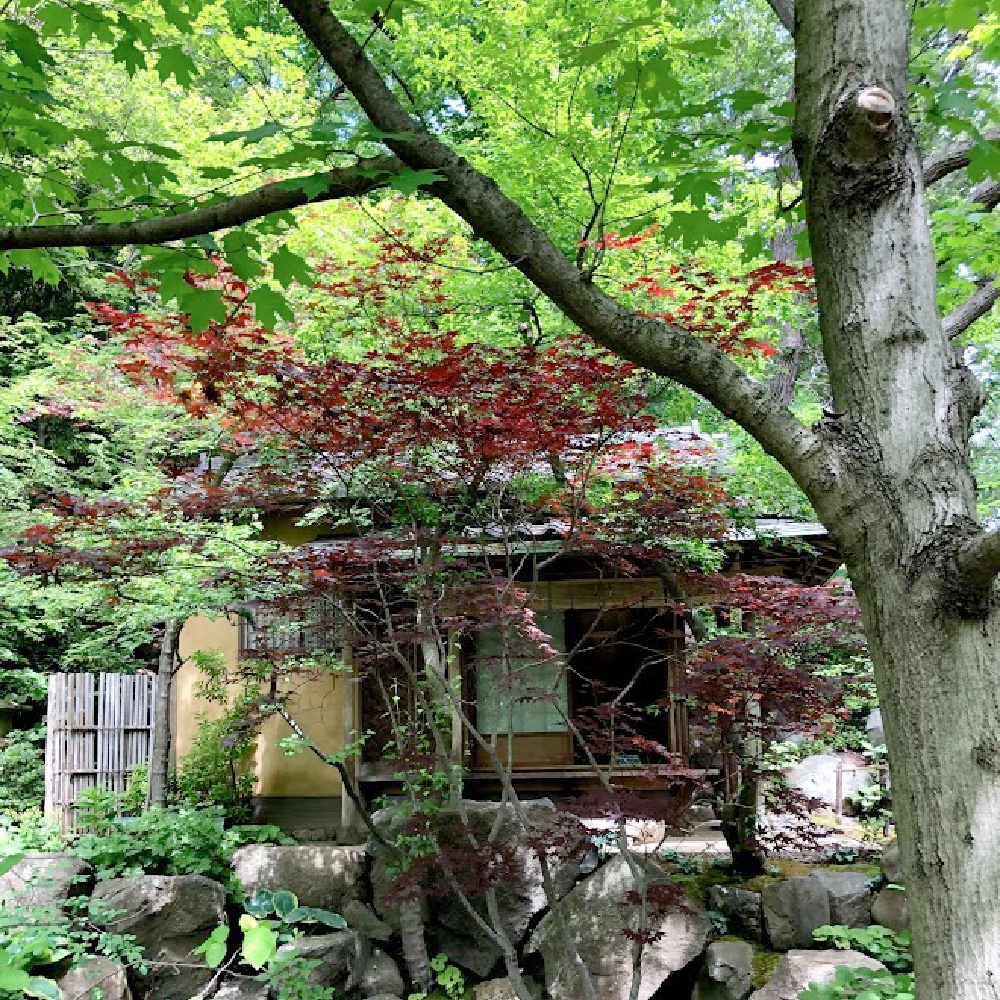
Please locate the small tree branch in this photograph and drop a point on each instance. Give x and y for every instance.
(976, 305)
(953, 157)
(978, 560)
(785, 10)
(986, 195)
(340, 183)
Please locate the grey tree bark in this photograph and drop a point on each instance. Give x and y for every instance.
(159, 758)
(904, 503)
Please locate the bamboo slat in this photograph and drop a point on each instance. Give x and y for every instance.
(100, 728)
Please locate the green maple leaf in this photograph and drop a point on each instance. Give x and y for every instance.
(203, 305)
(269, 305)
(289, 266)
(173, 60)
(129, 55)
(407, 181)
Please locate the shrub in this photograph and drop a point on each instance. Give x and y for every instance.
(22, 769)
(214, 772)
(171, 842)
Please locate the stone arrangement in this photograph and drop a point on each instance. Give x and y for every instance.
(172, 915)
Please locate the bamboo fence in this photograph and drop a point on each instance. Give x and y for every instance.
(100, 727)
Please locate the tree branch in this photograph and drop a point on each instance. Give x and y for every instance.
(978, 560)
(986, 195)
(785, 9)
(340, 183)
(665, 349)
(953, 157)
(976, 305)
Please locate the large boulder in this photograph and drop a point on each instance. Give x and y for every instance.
(728, 972)
(743, 910)
(850, 895)
(95, 978)
(600, 920)
(170, 915)
(800, 968)
(890, 910)
(518, 882)
(322, 875)
(44, 878)
(793, 909)
(816, 776)
(339, 958)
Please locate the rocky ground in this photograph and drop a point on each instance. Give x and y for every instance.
(719, 939)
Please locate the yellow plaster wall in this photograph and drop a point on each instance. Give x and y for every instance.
(317, 705)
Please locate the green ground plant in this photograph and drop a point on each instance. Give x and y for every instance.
(272, 919)
(171, 842)
(213, 773)
(890, 948)
(863, 984)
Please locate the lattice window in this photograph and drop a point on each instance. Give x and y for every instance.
(300, 627)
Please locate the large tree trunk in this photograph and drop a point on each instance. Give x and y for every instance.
(904, 497)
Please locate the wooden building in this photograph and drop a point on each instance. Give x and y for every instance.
(617, 633)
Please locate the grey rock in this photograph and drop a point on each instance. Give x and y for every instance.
(728, 972)
(242, 989)
(743, 910)
(793, 909)
(96, 978)
(850, 897)
(381, 975)
(890, 910)
(384, 996)
(169, 915)
(323, 875)
(502, 989)
(520, 895)
(362, 918)
(816, 776)
(45, 878)
(800, 968)
(340, 957)
(890, 862)
(597, 921)
(478, 955)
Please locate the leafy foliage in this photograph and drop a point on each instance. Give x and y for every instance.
(890, 948)
(170, 842)
(22, 769)
(863, 984)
